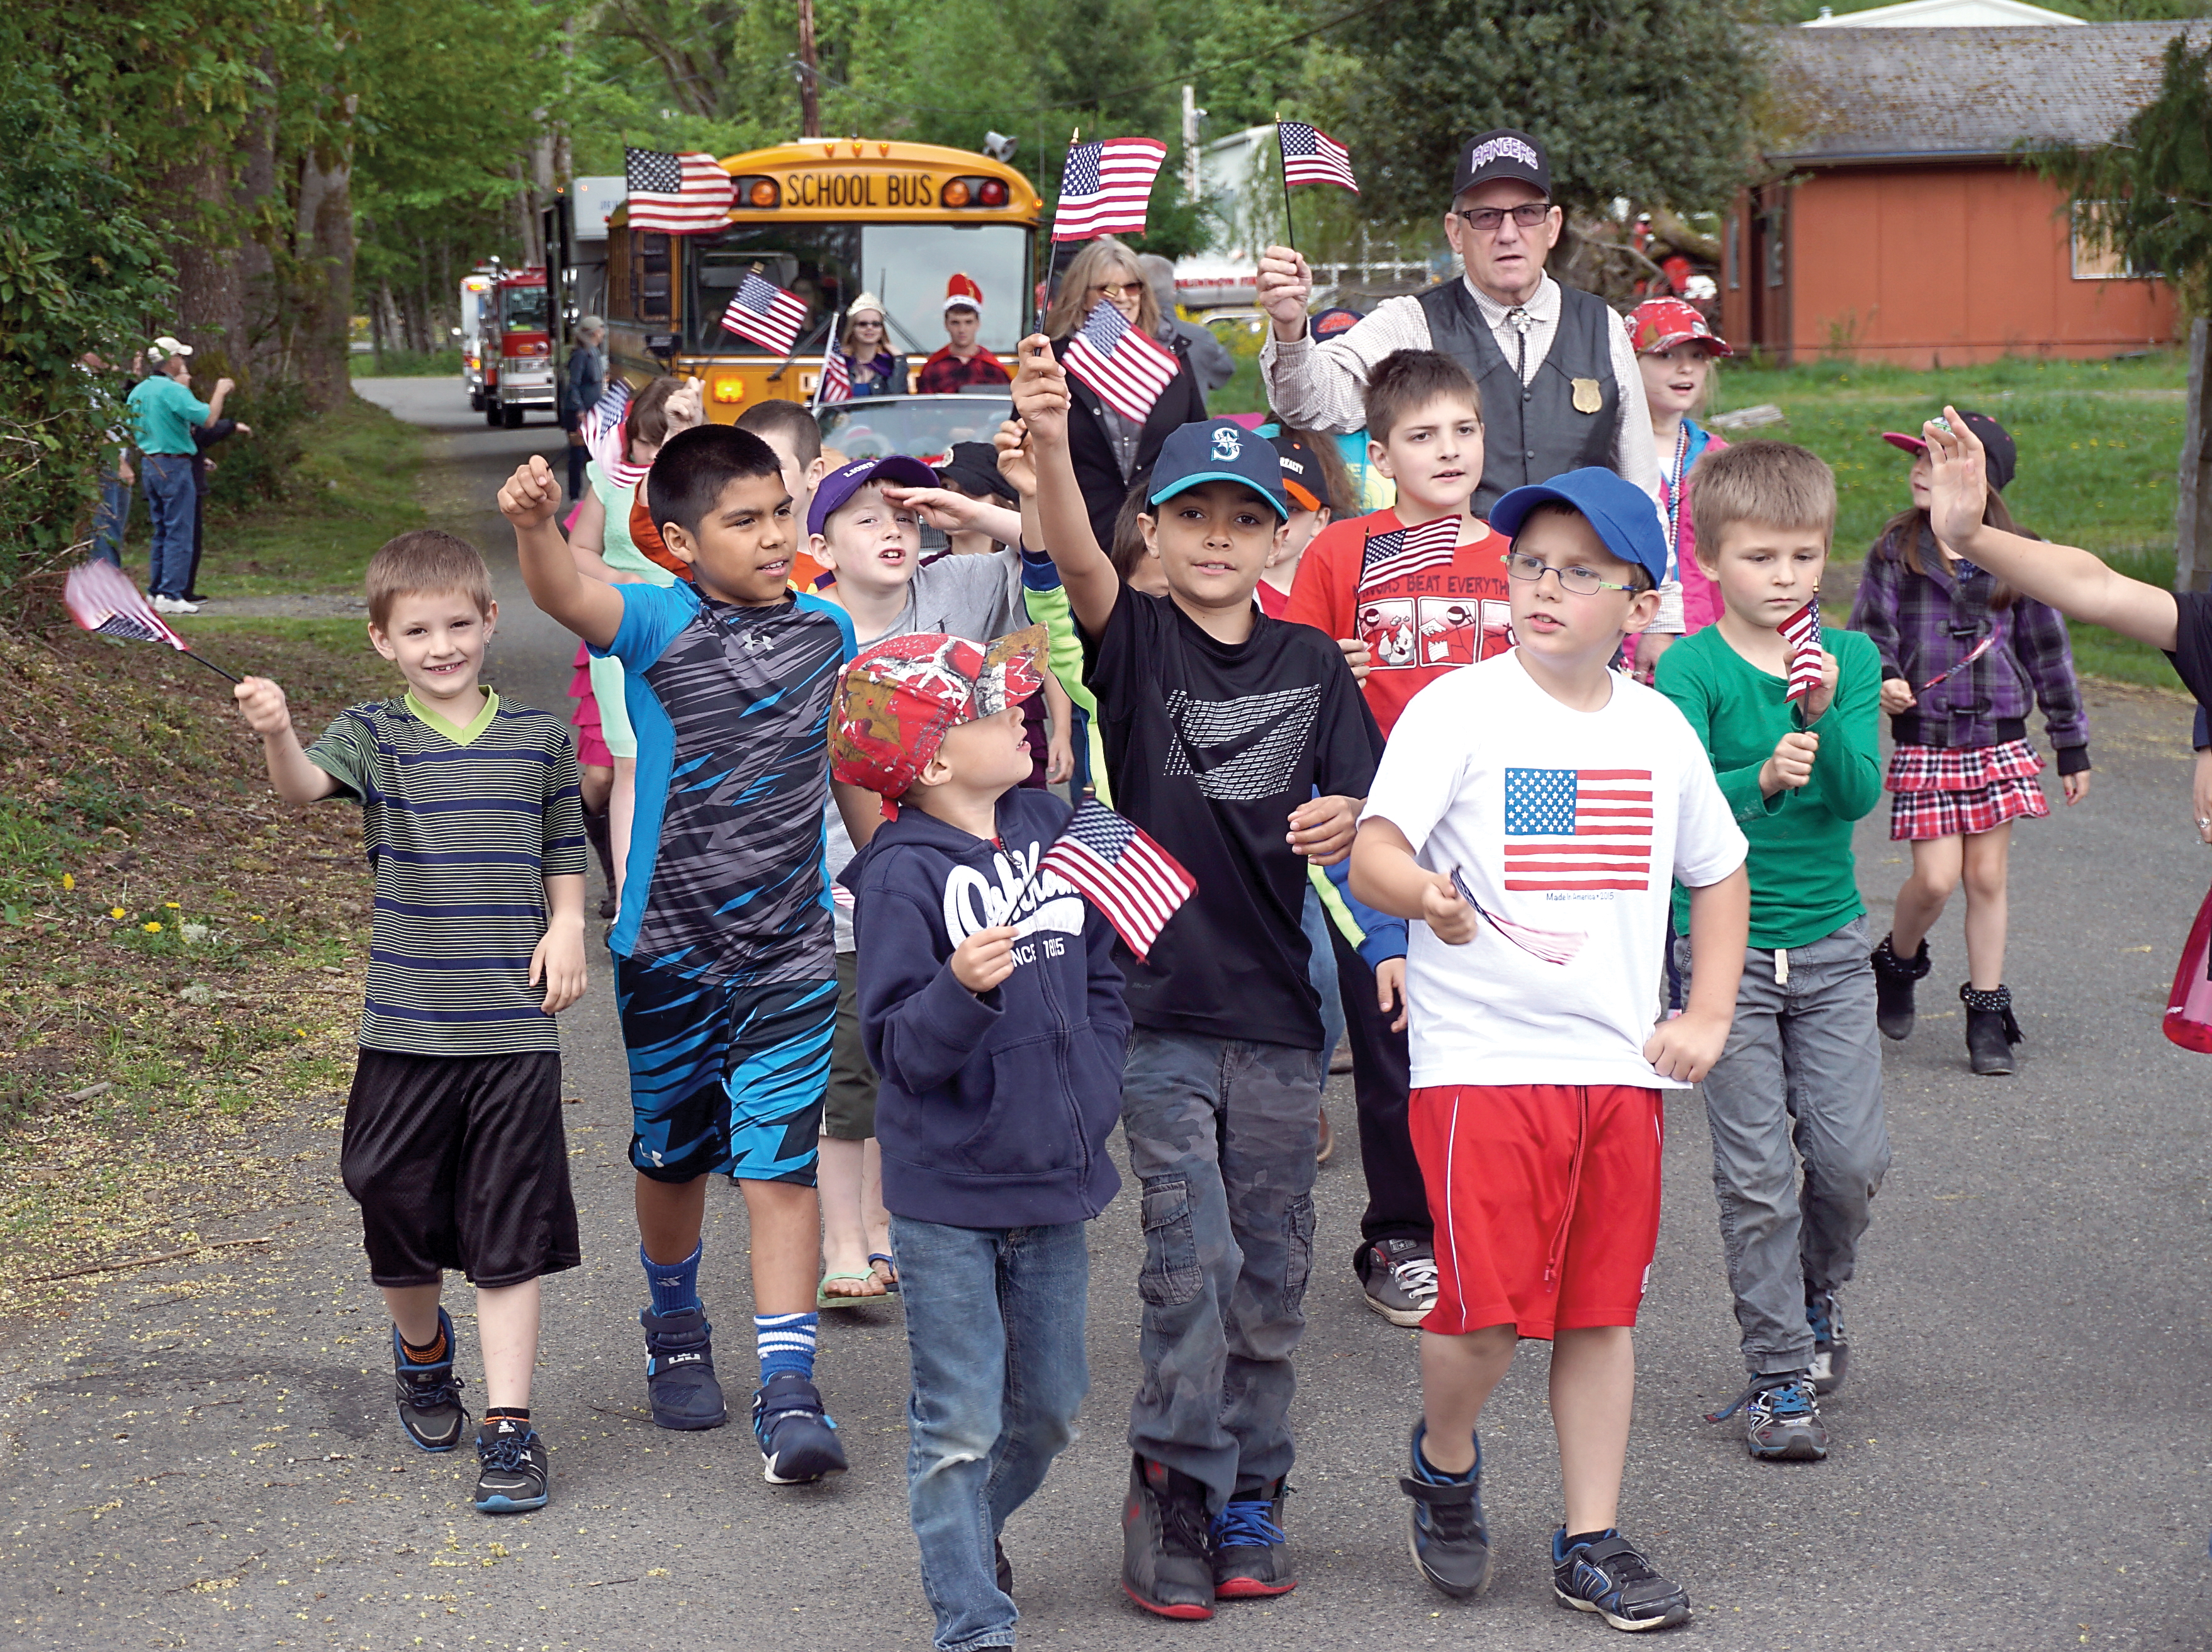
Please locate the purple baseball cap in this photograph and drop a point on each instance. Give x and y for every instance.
(834, 490)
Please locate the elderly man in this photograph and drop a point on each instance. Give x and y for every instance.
(166, 412)
(1560, 388)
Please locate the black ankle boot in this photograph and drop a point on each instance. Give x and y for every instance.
(595, 829)
(1990, 1030)
(1893, 980)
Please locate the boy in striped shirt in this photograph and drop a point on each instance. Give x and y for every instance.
(453, 1145)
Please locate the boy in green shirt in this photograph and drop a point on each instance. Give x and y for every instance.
(1803, 1060)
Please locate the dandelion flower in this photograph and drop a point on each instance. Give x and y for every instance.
(255, 918)
(151, 928)
(69, 880)
(115, 912)
(302, 1032)
(173, 906)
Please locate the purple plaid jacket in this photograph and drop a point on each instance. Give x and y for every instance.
(1923, 624)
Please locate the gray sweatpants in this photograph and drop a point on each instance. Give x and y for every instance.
(1803, 1066)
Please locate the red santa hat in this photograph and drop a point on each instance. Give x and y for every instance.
(961, 293)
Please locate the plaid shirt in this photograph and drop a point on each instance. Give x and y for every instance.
(945, 373)
(1925, 623)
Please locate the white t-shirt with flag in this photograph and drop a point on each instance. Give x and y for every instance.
(1569, 829)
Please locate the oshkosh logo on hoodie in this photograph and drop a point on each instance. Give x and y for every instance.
(974, 900)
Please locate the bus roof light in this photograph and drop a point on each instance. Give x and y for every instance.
(994, 192)
(956, 193)
(761, 192)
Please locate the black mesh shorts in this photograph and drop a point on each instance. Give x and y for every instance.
(459, 1163)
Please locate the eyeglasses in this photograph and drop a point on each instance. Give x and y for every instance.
(1116, 288)
(1578, 582)
(867, 324)
(1484, 221)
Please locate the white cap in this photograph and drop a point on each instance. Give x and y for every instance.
(166, 346)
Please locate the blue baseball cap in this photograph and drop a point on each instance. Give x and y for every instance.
(1621, 512)
(836, 489)
(1217, 449)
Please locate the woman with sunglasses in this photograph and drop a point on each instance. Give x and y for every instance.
(876, 368)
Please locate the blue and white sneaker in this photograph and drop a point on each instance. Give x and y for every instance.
(1782, 1419)
(1832, 1355)
(798, 1439)
(512, 1475)
(430, 1409)
(1450, 1538)
(679, 1369)
(1610, 1577)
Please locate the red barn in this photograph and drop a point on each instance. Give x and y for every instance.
(1904, 228)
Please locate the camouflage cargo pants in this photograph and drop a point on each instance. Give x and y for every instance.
(1221, 1137)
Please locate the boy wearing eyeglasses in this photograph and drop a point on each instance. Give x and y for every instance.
(1532, 811)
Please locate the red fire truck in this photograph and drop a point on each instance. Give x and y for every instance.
(517, 349)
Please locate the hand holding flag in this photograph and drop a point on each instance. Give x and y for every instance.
(1135, 883)
(1549, 946)
(1801, 631)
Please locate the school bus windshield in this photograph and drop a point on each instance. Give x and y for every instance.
(905, 265)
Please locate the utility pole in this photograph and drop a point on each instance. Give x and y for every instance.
(2192, 509)
(810, 92)
(1192, 114)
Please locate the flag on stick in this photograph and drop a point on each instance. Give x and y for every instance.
(764, 314)
(1551, 945)
(1133, 880)
(1312, 156)
(836, 383)
(680, 194)
(1971, 656)
(101, 598)
(1104, 188)
(605, 418)
(606, 436)
(1408, 551)
(1128, 370)
(1801, 631)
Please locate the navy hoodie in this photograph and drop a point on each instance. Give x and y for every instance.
(993, 1111)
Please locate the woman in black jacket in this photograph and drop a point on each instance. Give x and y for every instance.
(1112, 453)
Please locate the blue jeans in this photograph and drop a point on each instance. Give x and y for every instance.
(1321, 971)
(994, 1321)
(171, 498)
(115, 512)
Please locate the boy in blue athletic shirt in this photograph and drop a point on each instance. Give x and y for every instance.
(725, 972)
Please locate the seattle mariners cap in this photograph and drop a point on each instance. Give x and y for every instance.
(1503, 153)
(1621, 512)
(1217, 449)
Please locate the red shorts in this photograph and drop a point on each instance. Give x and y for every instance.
(1545, 1198)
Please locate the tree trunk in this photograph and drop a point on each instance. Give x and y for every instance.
(2192, 506)
(210, 307)
(325, 238)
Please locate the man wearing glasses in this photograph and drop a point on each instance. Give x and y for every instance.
(1559, 384)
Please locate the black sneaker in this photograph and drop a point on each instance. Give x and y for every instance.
(1782, 1417)
(798, 1438)
(1400, 1276)
(511, 1473)
(1611, 1579)
(430, 1408)
(1251, 1552)
(679, 1369)
(1165, 1567)
(1450, 1540)
(1832, 1355)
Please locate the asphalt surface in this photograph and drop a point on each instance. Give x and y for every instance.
(206, 1455)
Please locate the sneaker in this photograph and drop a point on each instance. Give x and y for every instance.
(1449, 1541)
(511, 1473)
(679, 1369)
(1165, 1567)
(1832, 1355)
(430, 1408)
(798, 1439)
(1401, 1279)
(1251, 1552)
(1611, 1579)
(1782, 1419)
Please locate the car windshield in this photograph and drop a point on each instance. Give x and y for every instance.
(923, 427)
(523, 308)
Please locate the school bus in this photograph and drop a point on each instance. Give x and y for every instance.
(827, 220)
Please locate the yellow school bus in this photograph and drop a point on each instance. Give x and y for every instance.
(826, 220)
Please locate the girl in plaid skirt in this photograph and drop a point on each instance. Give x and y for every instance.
(1963, 657)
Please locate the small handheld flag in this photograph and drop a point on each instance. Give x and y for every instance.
(101, 598)
(1312, 156)
(1801, 631)
(1401, 551)
(836, 382)
(677, 194)
(1550, 946)
(1135, 883)
(606, 437)
(1105, 187)
(1969, 656)
(763, 313)
(1126, 369)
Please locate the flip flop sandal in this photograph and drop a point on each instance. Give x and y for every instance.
(889, 1276)
(825, 1298)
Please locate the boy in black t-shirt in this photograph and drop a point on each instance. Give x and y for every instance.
(1242, 745)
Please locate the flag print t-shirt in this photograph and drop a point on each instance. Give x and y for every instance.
(1210, 746)
(1417, 626)
(1568, 828)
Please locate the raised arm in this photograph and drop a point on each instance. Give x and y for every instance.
(1041, 402)
(296, 779)
(592, 611)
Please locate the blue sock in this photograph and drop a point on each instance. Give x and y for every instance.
(786, 1342)
(674, 1285)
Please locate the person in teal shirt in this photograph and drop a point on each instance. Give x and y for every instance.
(1802, 1065)
(166, 411)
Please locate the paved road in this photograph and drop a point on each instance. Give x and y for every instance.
(206, 1455)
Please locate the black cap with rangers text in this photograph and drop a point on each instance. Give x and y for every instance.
(1504, 154)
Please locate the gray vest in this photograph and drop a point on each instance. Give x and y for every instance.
(1532, 433)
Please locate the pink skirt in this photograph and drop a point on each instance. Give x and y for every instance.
(591, 750)
(1944, 792)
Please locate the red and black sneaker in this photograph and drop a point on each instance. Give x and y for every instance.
(1251, 1553)
(1166, 1567)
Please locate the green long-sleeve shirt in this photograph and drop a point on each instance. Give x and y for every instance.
(1804, 879)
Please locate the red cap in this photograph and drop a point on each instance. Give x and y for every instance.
(1660, 324)
(899, 697)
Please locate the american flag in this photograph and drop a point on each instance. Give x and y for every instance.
(1578, 828)
(1401, 551)
(1801, 631)
(762, 313)
(1551, 945)
(1104, 187)
(602, 428)
(680, 194)
(1133, 880)
(1128, 370)
(101, 598)
(1964, 660)
(837, 377)
(1312, 156)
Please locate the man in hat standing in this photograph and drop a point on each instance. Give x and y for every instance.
(964, 361)
(1560, 389)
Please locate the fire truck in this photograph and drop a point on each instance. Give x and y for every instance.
(514, 372)
(474, 286)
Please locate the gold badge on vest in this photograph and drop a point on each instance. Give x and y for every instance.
(1587, 398)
